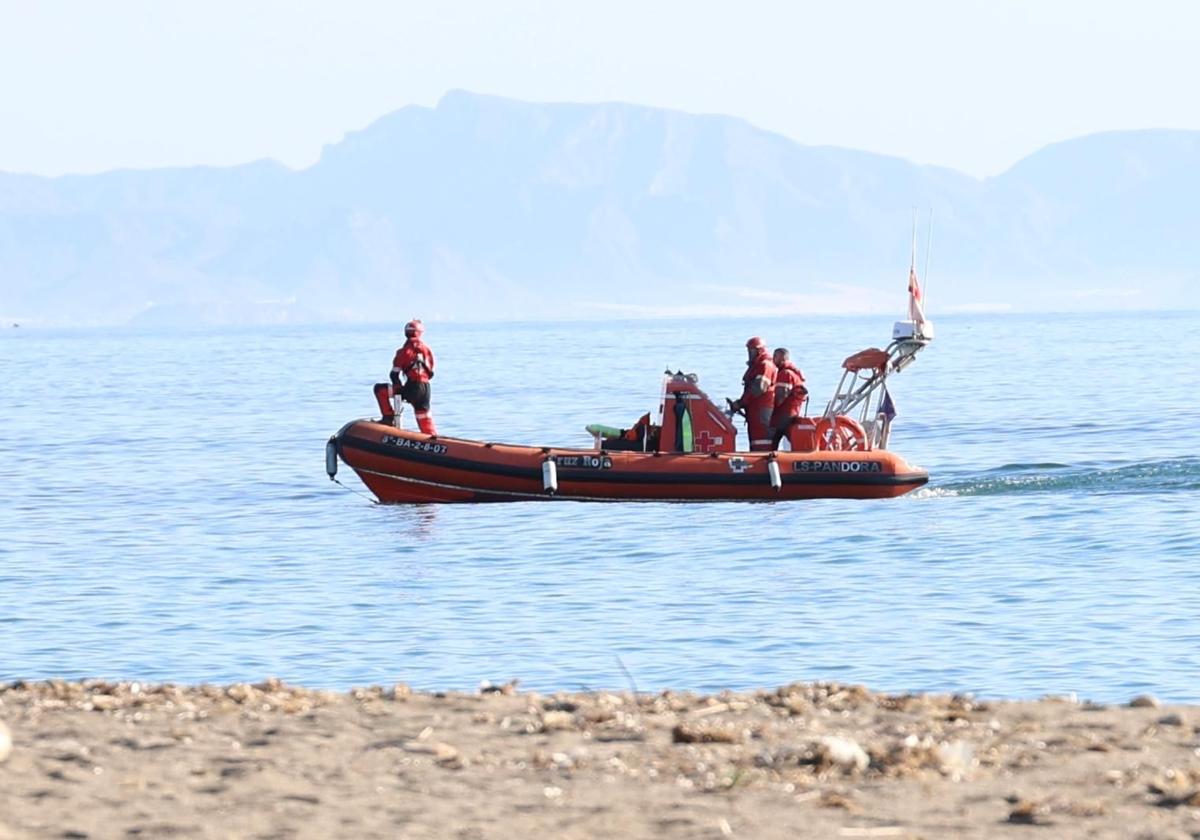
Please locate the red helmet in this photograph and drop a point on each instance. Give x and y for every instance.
(755, 343)
(414, 328)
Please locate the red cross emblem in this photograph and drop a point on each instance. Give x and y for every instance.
(706, 442)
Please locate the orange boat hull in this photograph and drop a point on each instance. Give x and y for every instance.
(406, 466)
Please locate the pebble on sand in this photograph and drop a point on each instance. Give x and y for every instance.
(557, 721)
(843, 752)
(1145, 701)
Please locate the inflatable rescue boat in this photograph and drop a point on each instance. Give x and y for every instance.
(685, 453)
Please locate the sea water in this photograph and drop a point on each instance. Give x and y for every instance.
(166, 515)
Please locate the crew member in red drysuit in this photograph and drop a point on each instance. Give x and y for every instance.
(790, 392)
(415, 361)
(758, 394)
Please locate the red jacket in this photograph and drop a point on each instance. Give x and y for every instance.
(414, 360)
(758, 382)
(790, 390)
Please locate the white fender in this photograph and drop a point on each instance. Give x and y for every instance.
(550, 475)
(773, 472)
(331, 457)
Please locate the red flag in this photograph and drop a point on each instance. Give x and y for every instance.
(915, 312)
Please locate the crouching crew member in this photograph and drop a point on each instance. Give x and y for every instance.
(415, 361)
(758, 394)
(790, 393)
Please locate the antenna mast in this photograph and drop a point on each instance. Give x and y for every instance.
(928, 253)
(913, 261)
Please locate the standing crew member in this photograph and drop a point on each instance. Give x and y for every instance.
(790, 392)
(415, 361)
(758, 394)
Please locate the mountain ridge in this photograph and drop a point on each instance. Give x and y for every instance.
(489, 208)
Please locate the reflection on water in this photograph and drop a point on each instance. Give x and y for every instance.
(418, 522)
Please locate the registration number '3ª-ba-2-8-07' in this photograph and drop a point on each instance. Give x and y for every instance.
(418, 445)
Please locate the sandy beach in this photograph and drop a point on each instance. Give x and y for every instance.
(99, 760)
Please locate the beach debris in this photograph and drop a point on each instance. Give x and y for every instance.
(6, 744)
(839, 800)
(1173, 719)
(443, 754)
(625, 728)
(1039, 811)
(557, 721)
(842, 752)
(705, 733)
(1145, 701)
(715, 708)
(1085, 808)
(242, 693)
(1069, 697)
(1029, 811)
(599, 713)
(103, 702)
(955, 759)
(1190, 799)
(1172, 781)
(488, 687)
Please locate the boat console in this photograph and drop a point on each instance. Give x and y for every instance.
(687, 421)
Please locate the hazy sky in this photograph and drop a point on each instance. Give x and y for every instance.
(87, 86)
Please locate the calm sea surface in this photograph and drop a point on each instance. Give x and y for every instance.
(165, 515)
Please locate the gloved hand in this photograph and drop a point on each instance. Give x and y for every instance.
(734, 406)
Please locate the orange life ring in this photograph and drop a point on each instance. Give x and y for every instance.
(841, 434)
